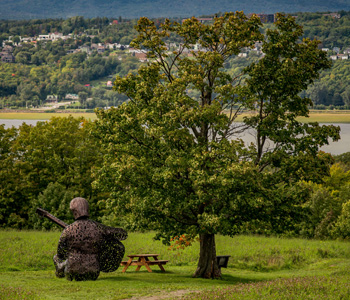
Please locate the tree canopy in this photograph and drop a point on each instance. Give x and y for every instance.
(175, 162)
(46, 165)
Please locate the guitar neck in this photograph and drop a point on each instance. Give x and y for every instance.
(51, 217)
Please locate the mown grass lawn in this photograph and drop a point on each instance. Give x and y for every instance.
(336, 116)
(259, 268)
(43, 116)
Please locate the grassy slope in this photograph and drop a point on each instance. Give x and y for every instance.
(26, 267)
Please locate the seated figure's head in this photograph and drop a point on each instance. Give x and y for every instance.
(79, 207)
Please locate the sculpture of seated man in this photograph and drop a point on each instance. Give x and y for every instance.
(87, 247)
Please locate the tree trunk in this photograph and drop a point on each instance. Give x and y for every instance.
(207, 264)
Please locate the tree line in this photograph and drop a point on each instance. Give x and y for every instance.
(48, 164)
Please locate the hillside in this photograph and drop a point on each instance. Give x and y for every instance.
(36, 9)
(80, 57)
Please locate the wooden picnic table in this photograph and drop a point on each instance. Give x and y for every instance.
(143, 260)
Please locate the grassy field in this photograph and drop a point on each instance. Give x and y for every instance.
(336, 116)
(259, 268)
(43, 116)
(315, 116)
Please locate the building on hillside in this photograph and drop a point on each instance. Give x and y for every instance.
(343, 56)
(201, 20)
(43, 37)
(333, 15)
(52, 98)
(54, 36)
(133, 50)
(265, 18)
(242, 55)
(205, 20)
(141, 56)
(101, 49)
(71, 51)
(26, 39)
(85, 48)
(7, 57)
(7, 48)
(71, 97)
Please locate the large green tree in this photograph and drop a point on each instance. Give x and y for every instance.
(176, 162)
(53, 157)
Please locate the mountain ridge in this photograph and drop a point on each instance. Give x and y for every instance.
(39, 9)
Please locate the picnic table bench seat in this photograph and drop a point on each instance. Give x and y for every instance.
(143, 260)
(149, 262)
(157, 262)
(123, 263)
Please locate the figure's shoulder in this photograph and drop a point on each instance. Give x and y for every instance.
(78, 224)
(90, 224)
(69, 228)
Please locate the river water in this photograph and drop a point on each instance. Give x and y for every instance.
(342, 146)
(16, 123)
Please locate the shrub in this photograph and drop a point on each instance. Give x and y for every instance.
(55, 198)
(342, 226)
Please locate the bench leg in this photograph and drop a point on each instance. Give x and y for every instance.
(144, 260)
(138, 268)
(127, 265)
(144, 263)
(161, 267)
(148, 268)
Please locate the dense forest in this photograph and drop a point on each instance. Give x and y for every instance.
(40, 68)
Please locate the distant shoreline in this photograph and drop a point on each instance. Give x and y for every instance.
(326, 116)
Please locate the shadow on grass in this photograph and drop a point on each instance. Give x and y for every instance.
(115, 278)
(174, 278)
(229, 279)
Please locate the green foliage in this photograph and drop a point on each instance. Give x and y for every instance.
(332, 88)
(48, 70)
(45, 165)
(333, 32)
(11, 209)
(342, 226)
(55, 199)
(175, 162)
(324, 208)
(344, 159)
(328, 205)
